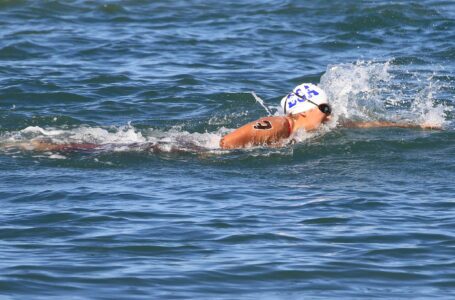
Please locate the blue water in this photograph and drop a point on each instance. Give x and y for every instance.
(160, 212)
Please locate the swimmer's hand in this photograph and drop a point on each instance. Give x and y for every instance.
(431, 126)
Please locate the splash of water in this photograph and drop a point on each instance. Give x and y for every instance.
(424, 107)
(371, 90)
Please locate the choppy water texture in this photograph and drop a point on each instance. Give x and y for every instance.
(159, 211)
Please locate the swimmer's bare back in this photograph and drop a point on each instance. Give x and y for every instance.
(265, 131)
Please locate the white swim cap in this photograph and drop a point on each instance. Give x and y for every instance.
(295, 102)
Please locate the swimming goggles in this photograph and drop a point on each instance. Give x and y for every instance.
(325, 108)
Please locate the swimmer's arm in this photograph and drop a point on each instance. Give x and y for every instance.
(377, 124)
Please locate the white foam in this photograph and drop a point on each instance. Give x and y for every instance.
(177, 136)
(424, 105)
(113, 135)
(38, 130)
(116, 138)
(57, 156)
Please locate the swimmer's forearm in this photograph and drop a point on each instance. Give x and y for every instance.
(377, 124)
(374, 124)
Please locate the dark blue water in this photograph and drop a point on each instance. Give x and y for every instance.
(158, 211)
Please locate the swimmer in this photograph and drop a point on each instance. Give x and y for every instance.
(306, 108)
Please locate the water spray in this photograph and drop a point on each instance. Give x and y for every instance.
(261, 102)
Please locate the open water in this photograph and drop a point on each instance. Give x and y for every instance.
(160, 212)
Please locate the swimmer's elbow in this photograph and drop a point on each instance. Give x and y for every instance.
(227, 143)
(223, 143)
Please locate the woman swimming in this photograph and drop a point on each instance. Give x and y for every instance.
(306, 108)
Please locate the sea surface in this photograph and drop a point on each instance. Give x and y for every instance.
(159, 211)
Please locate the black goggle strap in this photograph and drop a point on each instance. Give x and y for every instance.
(312, 102)
(286, 103)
